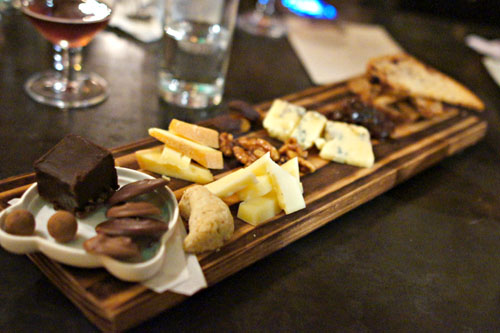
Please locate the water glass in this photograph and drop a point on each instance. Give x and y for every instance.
(197, 40)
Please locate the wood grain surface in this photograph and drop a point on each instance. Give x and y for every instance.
(331, 191)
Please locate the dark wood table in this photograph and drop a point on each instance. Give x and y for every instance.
(422, 257)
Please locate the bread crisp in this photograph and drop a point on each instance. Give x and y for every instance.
(405, 75)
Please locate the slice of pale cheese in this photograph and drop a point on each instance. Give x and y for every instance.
(292, 167)
(232, 183)
(150, 160)
(286, 187)
(173, 157)
(258, 210)
(206, 156)
(262, 187)
(348, 144)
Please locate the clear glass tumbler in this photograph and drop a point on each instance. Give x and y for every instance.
(197, 42)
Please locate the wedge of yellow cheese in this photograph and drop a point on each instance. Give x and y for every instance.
(198, 134)
(173, 157)
(292, 167)
(259, 167)
(258, 210)
(150, 160)
(262, 187)
(206, 156)
(287, 188)
(232, 183)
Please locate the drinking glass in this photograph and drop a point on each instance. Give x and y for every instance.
(197, 42)
(69, 25)
(263, 20)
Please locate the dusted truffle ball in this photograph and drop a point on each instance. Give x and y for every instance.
(62, 226)
(19, 222)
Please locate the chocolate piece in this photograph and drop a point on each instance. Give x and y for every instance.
(115, 247)
(76, 175)
(62, 226)
(131, 209)
(19, 222)
(132, 227)
(134, 189)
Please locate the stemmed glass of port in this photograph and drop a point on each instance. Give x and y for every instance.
(69, 25)
(263, 20)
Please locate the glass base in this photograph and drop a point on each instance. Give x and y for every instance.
(257, 23)
(49, 88)
(190, 94)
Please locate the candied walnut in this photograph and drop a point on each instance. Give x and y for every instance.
(305, 166)
(246, 150)
(244, 156)
(291, 149)
(226, 143)
(258, 147)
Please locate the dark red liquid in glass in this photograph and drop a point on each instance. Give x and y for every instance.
(73, 21)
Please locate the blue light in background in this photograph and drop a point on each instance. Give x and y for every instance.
(311, 8)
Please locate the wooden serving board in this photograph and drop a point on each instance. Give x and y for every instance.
(115, 305)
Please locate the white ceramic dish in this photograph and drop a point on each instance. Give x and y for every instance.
(72, 253)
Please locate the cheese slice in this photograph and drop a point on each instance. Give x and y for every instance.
(198, 134)
(173, 157)
(348, 144)
(292, 167)
(309, 129)
(287, 188)
(232, 183)
(259, 167)
(206, 156)
(150, 160)
(258, 210)
(262, 187)
(282, 118)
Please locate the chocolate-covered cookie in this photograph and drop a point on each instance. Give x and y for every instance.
(133, 209)
(134, 189)
(132, 227)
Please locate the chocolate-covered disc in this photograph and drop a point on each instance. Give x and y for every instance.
(115, 247)
(133, 209)
(134, 189)
(132, 227)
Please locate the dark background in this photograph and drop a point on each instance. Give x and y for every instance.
(479, 11)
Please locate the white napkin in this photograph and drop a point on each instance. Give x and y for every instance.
(484, 46)
(181, 273)
(493, 67)
(333, 52)
(144, 30)
(491, 50)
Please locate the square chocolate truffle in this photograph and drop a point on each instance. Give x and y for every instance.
(76, 175)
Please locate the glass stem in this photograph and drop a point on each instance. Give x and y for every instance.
(67, 61)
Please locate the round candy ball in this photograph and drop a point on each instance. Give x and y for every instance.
(19, 222)
(62, 226)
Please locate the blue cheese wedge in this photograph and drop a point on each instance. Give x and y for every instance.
(309, 129)
(348, 144)
(282, 118)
